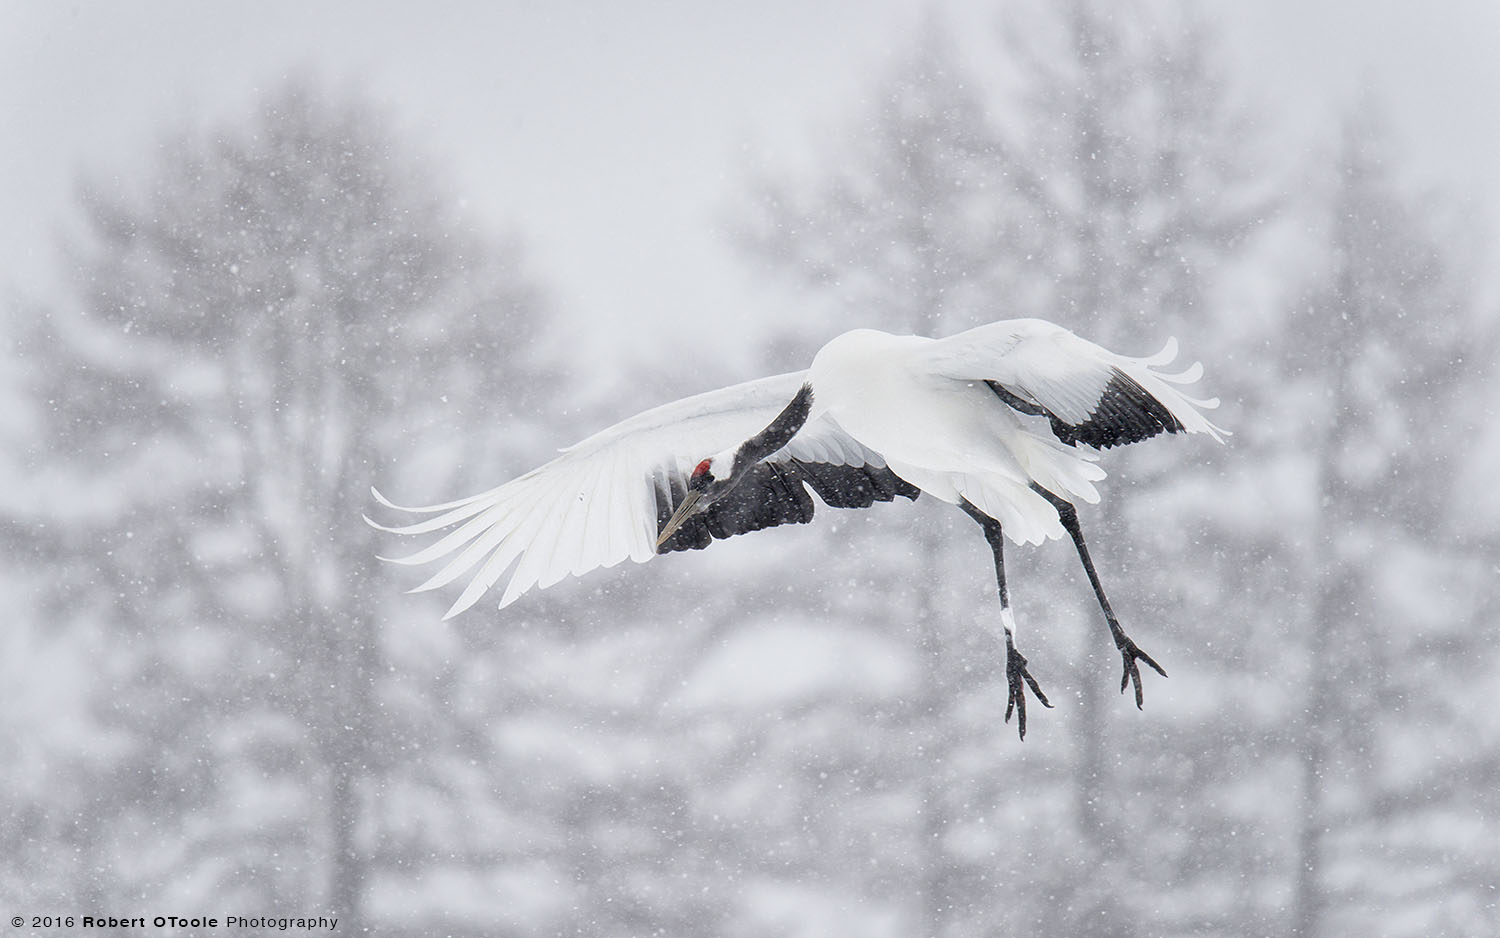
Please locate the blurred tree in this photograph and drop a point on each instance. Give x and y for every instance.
(909, 234)
(1378, 363)
(1104, 199)
(1136, 190)
(289, 304)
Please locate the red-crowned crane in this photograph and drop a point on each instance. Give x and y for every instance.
(1005, 421)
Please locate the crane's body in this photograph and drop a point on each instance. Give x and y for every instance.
(951, 437)
(1005, 421)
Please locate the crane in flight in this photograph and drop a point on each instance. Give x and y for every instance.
(1005, 421)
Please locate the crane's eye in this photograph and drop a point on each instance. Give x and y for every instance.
(701, 470)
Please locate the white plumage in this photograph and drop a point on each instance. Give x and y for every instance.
(925, 406)
(1005, 420)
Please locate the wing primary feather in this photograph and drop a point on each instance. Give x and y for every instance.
(503, 555)
(474, 527)
(1167, 354)
(1186, 376)
(430, 509)
(535, 537)
(445, 520)
(642, 519)
(618, 512)
(489, 540)
(471, 555)
(502, 552)
(570, 546)
(537, 558)
(593, 548)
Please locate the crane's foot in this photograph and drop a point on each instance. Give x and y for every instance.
(1019, 679)
(1130, 653)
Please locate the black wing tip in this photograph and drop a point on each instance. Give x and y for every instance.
(776, 493)
(1125, 413)
(1015, 401)
(855, 486)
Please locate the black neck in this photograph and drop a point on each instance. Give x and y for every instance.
(778, 433)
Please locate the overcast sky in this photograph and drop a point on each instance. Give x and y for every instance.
(612, 136)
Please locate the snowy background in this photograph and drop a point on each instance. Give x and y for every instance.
(261, 260)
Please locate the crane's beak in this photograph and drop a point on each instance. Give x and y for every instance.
(679, 516)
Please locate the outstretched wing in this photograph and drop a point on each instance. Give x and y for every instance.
(1090, 394)
(605, 499)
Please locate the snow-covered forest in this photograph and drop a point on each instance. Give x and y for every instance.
(214, 697)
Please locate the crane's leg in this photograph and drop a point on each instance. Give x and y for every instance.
(1129, 651)
(1015, 664)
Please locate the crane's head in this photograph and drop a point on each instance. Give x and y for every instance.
(705, 487)
(718, 475)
